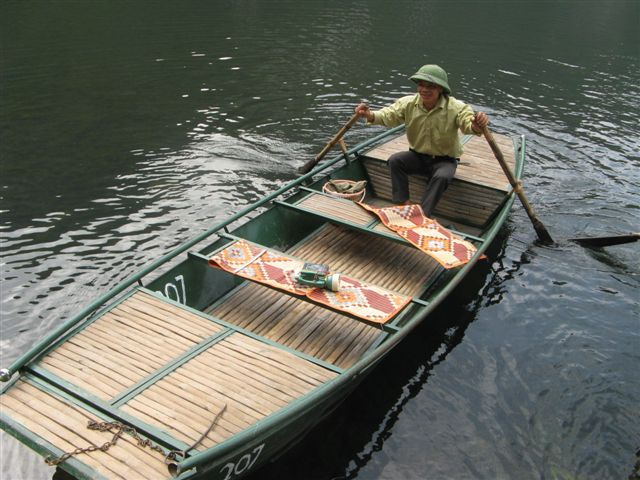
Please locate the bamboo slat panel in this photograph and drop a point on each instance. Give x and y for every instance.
(336, 208)
(474, 195)
(470, 203)
(64, 425)
(477, 163)
(314, 330)
(251, 378)
(126, 344)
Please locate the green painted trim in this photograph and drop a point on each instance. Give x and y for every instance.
(198, 256)
(173, 365)
(9, 384)
(378, 341)
(48, 381)
(419, 301)
(466, 236)
(421, 305)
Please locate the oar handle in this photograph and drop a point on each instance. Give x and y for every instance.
(312, 163)
(538, 226)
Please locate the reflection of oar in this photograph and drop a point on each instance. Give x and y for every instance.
(606, 241)
(312, 163)
(540, 229)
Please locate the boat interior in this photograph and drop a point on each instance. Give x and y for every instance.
(189, 370)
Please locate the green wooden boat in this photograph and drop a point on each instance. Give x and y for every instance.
(194, 369)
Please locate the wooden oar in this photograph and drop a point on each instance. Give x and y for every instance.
(538, 226)
(540, 229)
(312, 163)
(606, 241)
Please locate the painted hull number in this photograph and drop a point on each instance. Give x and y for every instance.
(243, 464)
(175, 291)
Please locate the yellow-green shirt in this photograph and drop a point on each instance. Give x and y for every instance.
(434, 132)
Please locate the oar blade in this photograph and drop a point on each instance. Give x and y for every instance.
(608, 240)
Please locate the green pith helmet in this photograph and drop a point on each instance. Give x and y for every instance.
(433, 74)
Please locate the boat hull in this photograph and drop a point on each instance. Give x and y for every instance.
(199, 343)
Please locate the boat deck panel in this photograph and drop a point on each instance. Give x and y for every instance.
(126, 344)
(316, 331)
(247, 378)
(184, 372)
(337, 208)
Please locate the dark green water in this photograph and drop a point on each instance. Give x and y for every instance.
(128, 127)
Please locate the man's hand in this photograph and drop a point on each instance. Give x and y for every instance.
(480, 120)
(363, 110)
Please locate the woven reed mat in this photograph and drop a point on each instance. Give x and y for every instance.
(428, 235)
(369, 302)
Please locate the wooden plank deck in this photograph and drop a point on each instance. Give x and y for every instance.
(316, 331)
(249, 378)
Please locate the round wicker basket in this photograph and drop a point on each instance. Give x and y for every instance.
(355, 196)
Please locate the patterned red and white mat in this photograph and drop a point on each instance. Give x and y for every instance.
(369, 302)
(428, 235)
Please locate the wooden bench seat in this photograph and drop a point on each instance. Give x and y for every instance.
(475, 194)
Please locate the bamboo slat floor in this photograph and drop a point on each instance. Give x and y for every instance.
(249, 378)
(324, 334)
(152, 362)
(63, 425)
(126, 344)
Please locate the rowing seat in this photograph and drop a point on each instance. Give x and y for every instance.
(476, 192)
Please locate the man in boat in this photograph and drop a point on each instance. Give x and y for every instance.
(432, 118)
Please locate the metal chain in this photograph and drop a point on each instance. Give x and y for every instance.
(120, 430)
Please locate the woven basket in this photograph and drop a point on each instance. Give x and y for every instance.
(330, 189)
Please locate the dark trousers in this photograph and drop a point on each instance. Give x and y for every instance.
(438, 170)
